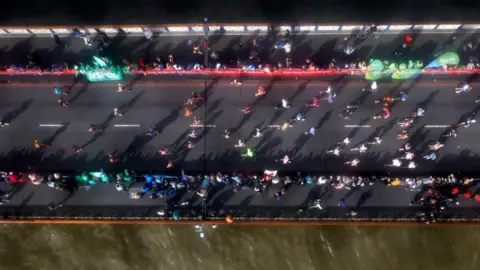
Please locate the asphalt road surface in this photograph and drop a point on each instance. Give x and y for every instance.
(320, 47)
(33, 112)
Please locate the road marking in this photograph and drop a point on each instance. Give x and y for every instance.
(278, 126)
(50, 125)
(135, 125)
(203, 126)
(437, 126)
(358, 126)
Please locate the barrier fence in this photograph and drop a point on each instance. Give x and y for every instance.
(238, 72)
(240, 215)
(231, 28)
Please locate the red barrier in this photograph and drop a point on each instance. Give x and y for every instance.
(256, 73)
(36, 72)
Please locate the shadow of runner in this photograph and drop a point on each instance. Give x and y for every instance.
(209, 87)
(95, 137)
(162, 124)
(363, 198)
(254, 131)
(126, 107)
(215, 105)
(79, 93)
(69, 87)
(136, 79)
(303, 138)
(55, 135)
(10, 116)
(301, 88)
(428, 100)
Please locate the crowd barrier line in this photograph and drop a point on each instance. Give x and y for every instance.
(236, 222)
(237, 72)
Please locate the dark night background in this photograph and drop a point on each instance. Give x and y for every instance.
(55, 12)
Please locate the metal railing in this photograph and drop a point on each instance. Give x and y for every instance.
(230, 28)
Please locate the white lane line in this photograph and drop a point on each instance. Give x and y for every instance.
(211, 126)
(358, 126)
(278, 126)
(122, 125)
(437, 126)
(50, 125)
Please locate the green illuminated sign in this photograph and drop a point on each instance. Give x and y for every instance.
(102, 70)
(399, 71)
(103, 75)
(378, 69)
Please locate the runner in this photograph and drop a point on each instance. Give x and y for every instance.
(335, 151)
(152, 131)
(226, 134)
(188, 112)
(122, 88)
(236, 82)
(468, 122)
(116, 112)
(245, 110)
(285, 160)
(385, 113)
(347, 113)
(403, 135)
(387, 100)
(353, 162)
(315, 103)
(112, 159)
(376, 140)
(94, 128)
(284, 104)
(240, 144)
(361, 149)
(464, 88)
(312, 131)
(163, 151)
(436, 146)
(195, 122)
(299, 117)
(419, 112)
(192, 134)
(372, 88)
(431, 156)
(258, 133)
(62, 102)
(405, 123)
(260, 91)
(451, 133)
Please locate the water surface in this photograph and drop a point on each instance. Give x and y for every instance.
(235, 247)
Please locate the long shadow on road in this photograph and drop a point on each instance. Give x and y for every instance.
(10, 116)
(55, 135)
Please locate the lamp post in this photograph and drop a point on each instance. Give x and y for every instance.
(206, 51)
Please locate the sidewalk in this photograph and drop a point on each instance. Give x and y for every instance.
(321, 49)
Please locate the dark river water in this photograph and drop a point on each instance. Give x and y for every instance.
(234, 247)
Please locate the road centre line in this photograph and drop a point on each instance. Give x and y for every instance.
(50, 125)
(358, 126)
(278, 126)
(210, 126)
(437, 126)
(124, 125)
